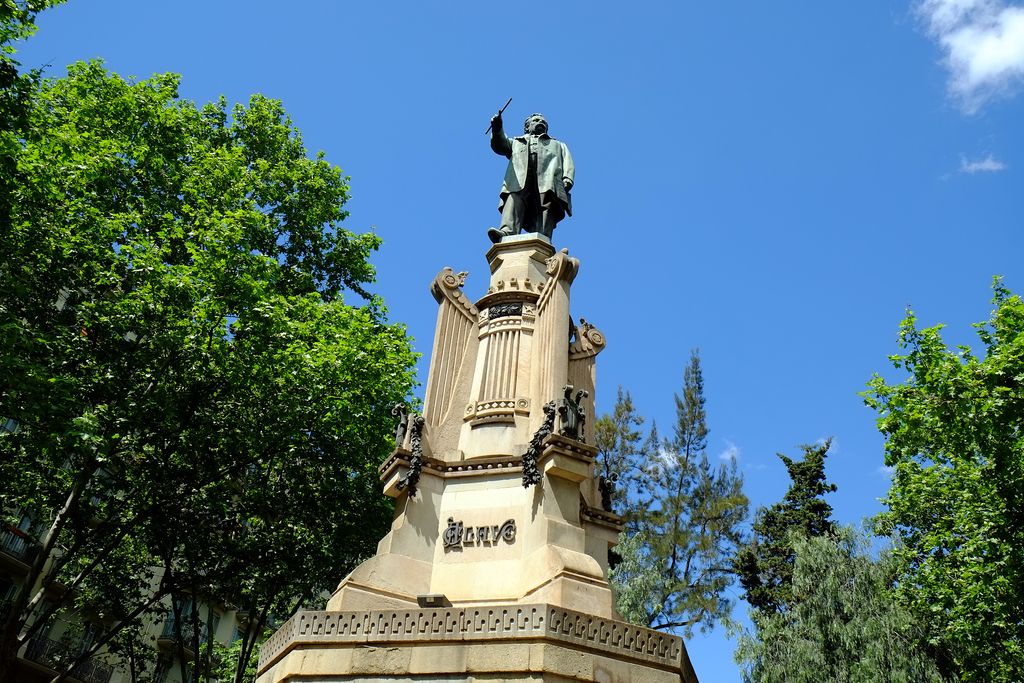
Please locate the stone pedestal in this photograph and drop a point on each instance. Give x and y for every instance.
(483, 577)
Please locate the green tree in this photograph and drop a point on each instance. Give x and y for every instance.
(225, 663)
(683, 524)
(17, 22)
(621, 448)
(844, 623)
(765, 564)
(199, 412)
(953, 433)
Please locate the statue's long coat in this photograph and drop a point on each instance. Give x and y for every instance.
(554, 164)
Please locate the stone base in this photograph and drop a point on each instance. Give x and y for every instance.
(535, 642)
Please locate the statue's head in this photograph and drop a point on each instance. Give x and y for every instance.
(535, 124)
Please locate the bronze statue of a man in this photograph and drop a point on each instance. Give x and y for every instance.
(535, 193)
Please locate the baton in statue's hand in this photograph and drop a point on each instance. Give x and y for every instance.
(500, 111)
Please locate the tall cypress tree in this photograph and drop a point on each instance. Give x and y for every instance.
(765, 564)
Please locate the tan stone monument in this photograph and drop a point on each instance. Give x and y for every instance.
(495, 566)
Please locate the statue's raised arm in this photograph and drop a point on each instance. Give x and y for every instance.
(535, 193)
(499, 143)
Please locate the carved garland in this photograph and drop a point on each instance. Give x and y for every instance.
(504, 310)
(531, 473)
(412, 477)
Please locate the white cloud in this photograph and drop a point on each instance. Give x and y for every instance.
(731, 452)
(983, 42)
(987, 165)
(886, 471)
(665, 459)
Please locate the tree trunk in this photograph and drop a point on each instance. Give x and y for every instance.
(11, 640)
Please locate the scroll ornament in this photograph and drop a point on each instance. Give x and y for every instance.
(589, 341)
(448, 285)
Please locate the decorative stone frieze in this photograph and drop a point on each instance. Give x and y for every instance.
(505, 409)
(401, 458)
(457, 626)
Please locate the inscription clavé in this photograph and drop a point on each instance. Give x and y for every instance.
(458, 535)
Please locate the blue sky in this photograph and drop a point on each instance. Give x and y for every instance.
(771, 182)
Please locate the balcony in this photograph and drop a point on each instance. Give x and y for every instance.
(168, 637)
(57, 655)
(17, 544)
